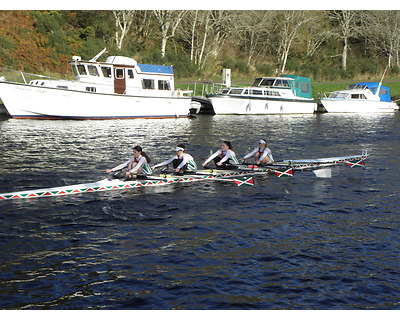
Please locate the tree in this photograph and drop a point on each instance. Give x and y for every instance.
(254, 30)
(382, 31)
(290, 23)
(347, 28)
(169, 20)
(123, 21)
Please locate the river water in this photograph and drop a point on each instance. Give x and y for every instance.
(285, 243)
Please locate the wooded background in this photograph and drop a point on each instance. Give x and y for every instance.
(321, 44)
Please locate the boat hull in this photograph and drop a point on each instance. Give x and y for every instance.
(358, 106)
(28, 101)
(116, 184)
(235, 105)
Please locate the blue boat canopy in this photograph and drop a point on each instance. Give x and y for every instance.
(150, 68)
(384, 92)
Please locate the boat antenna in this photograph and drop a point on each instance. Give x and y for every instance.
(94, 59)
(380, 83)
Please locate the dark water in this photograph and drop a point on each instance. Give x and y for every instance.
(287, 243)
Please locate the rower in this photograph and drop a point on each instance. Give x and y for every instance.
(225, 158)
(262, 154)
(138, 164)
(182, 162)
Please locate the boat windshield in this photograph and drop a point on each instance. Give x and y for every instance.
(236, 91)
(357, 86)
(338, 95)
(271, 82)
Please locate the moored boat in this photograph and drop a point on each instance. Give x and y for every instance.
(362, 97)
(117, 88)
(287, 94)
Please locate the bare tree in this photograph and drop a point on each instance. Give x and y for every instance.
(169, 20)
(382, 31)
(254, 29)
(290, 23)
(347, 28)
(123, 21)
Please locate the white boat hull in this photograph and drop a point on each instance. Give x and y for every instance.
(231, 105)
(28, 101)
(357, 106)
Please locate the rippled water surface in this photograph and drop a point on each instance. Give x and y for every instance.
(286, 243)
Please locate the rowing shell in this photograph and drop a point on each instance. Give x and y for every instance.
(116, 184)
(282, 168)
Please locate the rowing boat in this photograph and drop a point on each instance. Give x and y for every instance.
(280, 168)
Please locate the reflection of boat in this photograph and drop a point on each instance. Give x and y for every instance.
(287, 94)
(362, 97)
(321, 167)
(116, 88)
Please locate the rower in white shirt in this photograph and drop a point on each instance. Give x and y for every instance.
(262, 154)
(182, 162)
(137, 164)
(225, 158)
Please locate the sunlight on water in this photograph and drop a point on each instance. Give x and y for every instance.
(286, 243)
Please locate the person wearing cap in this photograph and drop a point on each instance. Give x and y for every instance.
(262, 154)
(225, 158)
(182, 162)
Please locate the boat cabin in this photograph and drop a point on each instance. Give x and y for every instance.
(117, 75)
(363, 91)
(300, 86)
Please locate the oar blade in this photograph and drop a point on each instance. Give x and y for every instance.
(245, 181)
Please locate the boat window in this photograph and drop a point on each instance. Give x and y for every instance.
(305, 87)
(163, 85)
(257, 92)
(257, 82)
(246, 91)
(130, 74)
(236, 91)
(225, 91)
(357, 86)
(91, 89)
(281, 83)
(75, 71)
(267, 83)
(62, 87)
(81, 69)
(147, 83)
(106, 71)
(272, 93)
(93, 71)
(119, 73)
(358, 96)
(338, 95)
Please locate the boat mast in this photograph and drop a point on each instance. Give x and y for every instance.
(380, 83)
(94, 59)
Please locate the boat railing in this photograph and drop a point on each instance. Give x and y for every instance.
(202, 89)
(20, 77)
(324, 95)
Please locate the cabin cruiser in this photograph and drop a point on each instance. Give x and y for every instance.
(117, 88)
(287, 94)
(363, 97)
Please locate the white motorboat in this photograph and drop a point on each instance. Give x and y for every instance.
(117, 88)
(363, 97)
(287, 94)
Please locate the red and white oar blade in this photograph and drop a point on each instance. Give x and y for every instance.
(244, 181)
(284, 172)
(355, 163)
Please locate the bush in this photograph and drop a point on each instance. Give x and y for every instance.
(265, 70)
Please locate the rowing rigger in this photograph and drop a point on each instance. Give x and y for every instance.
(281, 168)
